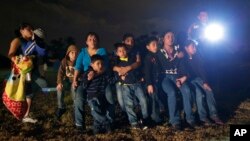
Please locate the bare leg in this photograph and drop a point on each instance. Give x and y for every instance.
(28, 109)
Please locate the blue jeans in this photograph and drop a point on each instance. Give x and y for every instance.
(60, 94)
(170, 88)
(36, 84)
(79, 102)
(130, 92)
(154, 106)
(119, 96)
(111, 103)
(99, 113)
(204, 98)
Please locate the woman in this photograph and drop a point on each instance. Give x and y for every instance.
(26, 44)
(174, 80)
(82, 64)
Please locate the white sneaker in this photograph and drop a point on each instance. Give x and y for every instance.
(28, 119)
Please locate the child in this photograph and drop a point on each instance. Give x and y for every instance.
(65, 77)
(130, 86)
(95, 84)
(152, 70)
(204, 93)
(128, 40)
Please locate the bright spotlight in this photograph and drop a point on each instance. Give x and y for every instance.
(214, 32)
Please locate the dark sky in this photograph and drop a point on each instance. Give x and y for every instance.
(112, 18)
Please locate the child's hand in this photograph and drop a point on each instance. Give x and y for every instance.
(180, 55)
(123, 77)
(150, 89)
(59, 86)
(180, 81)
(124, 70)
(91, 75)
(207, 87)
(74, 84)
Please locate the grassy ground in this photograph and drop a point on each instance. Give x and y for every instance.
(234, 108)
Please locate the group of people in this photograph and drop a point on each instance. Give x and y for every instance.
(166, 76)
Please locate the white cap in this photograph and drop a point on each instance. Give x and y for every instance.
(40, 33)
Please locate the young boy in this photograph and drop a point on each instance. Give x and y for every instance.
(128, 40)
(204, 93)
(65, 77)
(152, 70)
(130, 86)
(95, 84)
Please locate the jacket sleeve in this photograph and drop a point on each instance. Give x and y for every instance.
(148, 71)
(182, 69)
(61, 72)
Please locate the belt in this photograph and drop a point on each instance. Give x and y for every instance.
(171, 71)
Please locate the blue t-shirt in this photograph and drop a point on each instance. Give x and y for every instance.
(84, 59)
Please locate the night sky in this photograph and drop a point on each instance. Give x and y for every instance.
(112, 18)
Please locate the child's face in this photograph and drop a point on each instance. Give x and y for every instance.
(91, 41)
(168, 39)
(203, 17)
(27, 32)
(191, 49)
(121, 52)
(98, 66)
(152, 46)
(129, 41)
(72, 55)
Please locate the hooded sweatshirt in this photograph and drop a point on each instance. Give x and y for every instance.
(66, 69)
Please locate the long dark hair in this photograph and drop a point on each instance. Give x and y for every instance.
(22, 26)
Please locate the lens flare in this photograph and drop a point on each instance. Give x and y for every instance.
(214, 32)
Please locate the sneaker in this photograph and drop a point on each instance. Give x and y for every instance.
(107, 128)
(206, 122)
(217, 120)
(60, 112)
(145, 123)
(193, 126)
(135, 127)
(80, 129)
(29, 120)
(176, 127)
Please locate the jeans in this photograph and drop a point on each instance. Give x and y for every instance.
(129, 93)
(36, 84)
(79, 102)
(169, 87)
(204, 98)
(120, 96)
(154, 106)
(111, 103)
(99, 113)
(60, 94)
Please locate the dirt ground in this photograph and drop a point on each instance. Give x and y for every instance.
(233, 103)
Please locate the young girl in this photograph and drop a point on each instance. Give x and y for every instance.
(25, 44)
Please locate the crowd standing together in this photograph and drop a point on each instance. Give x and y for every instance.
(167, 76)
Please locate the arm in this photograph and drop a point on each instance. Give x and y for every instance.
(75, 79)
(148, 75)
(60, 74)
(15, 43)
(148, 71)
(124, 70)
(182, 72)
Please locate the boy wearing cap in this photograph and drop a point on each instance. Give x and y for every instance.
(64, 78)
